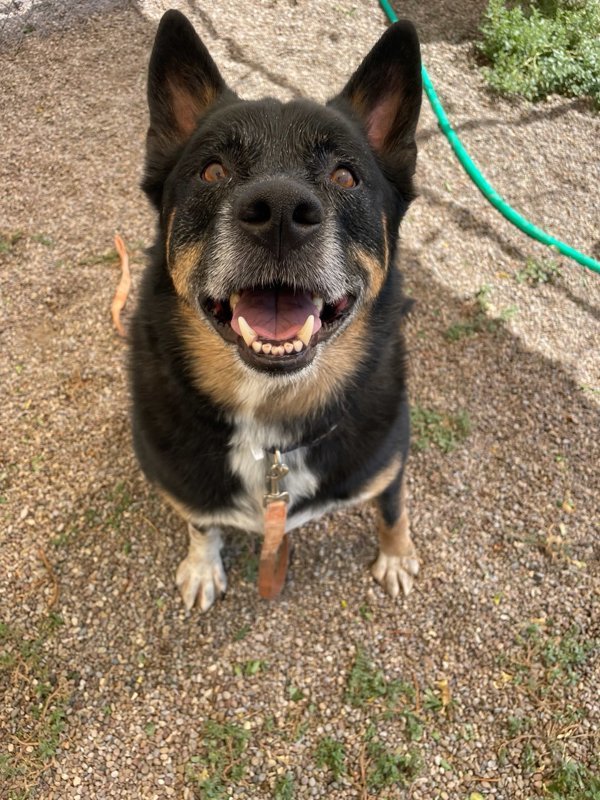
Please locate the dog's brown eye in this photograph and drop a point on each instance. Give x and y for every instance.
(344, 178)
(214, 172)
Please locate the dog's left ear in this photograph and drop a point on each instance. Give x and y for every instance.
(183, 84)
(385, 92)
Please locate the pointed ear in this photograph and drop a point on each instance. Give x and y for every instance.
(385, 92)
(183, 83)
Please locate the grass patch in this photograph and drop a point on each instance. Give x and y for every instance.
(367, 684)
(241, 633)
(27, 669)
(538, 271)
(544, 669)
(108, 257)
(438, 429)
(284, 787)
(250, 568)
(222, 762)
(295, 694)
(331, 754)
(542, 47)
(41, 238)
(573, 781)
(548, 658)
(387, 767)
(8, 240)
(249, 668)
(121, 502)
(478, 319)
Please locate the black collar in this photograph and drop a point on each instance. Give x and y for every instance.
(303, 442)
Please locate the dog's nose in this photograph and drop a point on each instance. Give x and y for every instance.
(281, 215)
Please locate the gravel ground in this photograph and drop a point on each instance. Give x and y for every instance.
(487, 675)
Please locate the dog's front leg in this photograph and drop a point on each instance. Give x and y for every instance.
(397, 564)
(201, 574)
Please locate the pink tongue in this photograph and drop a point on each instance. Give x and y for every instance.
(275, 314)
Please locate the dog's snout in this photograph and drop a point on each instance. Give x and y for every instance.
(280, 215)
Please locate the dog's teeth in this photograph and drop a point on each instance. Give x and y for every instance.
(318, 302)
(257, 346)
(306, 330)
(248, 334)
(234, 300)
(298, 345)
(288, 347)
(278, 351)
(266, 348)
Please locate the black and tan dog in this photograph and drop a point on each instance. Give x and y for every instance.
(270, 313)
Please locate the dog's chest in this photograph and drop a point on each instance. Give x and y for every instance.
(249, 461)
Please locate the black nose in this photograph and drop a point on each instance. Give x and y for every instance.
(279, 214)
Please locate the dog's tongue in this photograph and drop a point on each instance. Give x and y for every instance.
(275, 314)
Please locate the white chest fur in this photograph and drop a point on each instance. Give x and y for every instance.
(248, 461)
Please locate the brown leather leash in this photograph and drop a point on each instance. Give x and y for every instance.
(275, 552)
(274, 556)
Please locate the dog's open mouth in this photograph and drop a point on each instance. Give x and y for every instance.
(277, 328)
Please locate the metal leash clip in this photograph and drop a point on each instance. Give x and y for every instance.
(276, 472)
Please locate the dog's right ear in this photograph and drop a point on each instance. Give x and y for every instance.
(183, 83)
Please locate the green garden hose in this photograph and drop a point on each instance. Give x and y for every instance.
(484, 187)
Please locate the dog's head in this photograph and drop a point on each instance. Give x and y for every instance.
(279, 220)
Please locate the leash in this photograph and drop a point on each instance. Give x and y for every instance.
(274, 555)
(481, 183)
(275, 551)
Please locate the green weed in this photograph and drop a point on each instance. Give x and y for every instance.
(121, 501)
(367, 684)
(250, 567)
(331, 754)
(295, 694)
(26, 662)
(516, 725)
(413, 725)
(249, 668)
(242, 633)
(543, 47)
(538, 271)
(555, 657)
(284, 787)
(478, 319)
(221, 762)
(41, 238)
(9, 240)
(573, 781)
(444, 431)
(108, 257)
(389, 767)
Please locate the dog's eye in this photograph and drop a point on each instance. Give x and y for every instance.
(344, 178)
(214, 172)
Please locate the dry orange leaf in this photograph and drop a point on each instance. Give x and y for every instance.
(122, 292)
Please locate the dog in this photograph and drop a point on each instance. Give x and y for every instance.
(269, 316)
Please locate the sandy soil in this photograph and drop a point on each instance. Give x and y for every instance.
(487, 675)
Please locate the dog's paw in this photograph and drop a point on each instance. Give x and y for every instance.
(200, 576)
(395, 573)
(204, 581)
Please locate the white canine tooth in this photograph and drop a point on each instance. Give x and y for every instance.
(248, 334)
(278, 351)
(298, 345)
(267, 347)
(318, 302)
(257, 346)
(288, 347)
(306, 330)
(234, 300)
